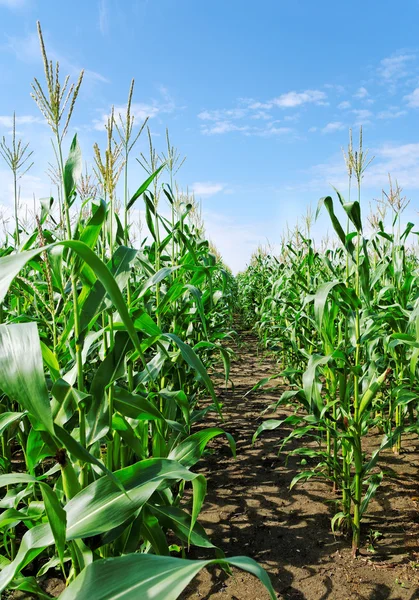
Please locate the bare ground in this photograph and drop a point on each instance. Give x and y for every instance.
(250, 510)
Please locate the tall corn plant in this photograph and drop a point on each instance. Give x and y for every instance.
(97, 402)
(343, 323)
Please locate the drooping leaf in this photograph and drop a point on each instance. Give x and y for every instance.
(146, 576)
(22, 374)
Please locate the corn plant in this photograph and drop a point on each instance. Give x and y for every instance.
(343, 322)
(104, 377)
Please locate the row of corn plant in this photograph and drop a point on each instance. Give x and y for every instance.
(343, 320)
(105, 352)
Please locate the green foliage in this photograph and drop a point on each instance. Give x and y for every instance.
(106, 352)
(343, 323)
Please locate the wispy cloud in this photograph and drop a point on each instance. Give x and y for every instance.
(273, 131)
(242, 117)
(362, 116)
(393, 112)
(7, 120)
(14, 4)
(26, 49)
(413, 99)
(220, 127)
(344, 105)
(333, 126)
(103, 17)
(268, 130)
(141, 110)
(293, 99)
(362, 92)
(400, 160)
(396, 66)
(335, 87)
(207, 188)
(223, 114)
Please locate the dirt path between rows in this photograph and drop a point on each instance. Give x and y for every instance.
(250, 510)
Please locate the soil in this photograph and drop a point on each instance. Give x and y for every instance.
(250, 510)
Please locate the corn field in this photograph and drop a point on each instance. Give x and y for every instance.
(114, 341)
(345, 325)
(104, 360)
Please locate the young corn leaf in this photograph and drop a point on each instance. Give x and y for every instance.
(145, 576)
(22, 374)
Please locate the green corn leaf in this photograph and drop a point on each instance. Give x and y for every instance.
(101, 506)
(57, 518)
(198, 300)
(127, 433)
(153, 533)
(46, 205)
(179, 521)
(268, 425)
(144, 576)
(190, 450)
(374, 483)
(120, 267)
(12, 264)
(8, 418)
(72, 169)
(22, 374)
(154, 279)
(195, 362)
(143, 187)
(328, 203)
(135, 406)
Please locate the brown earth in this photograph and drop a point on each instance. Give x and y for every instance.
(250, 510)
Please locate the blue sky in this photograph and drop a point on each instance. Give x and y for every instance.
(259, 96)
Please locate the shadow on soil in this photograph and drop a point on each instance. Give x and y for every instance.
(250, 510)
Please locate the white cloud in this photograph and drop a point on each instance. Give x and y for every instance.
(13, 4)
(261, 114)
(362, 116)
(241, 117)
(292, 99)
(103, 17)
(92, 75)
(7, 121)
(362, 92)
(259, 105)
(207, 188)
(313, 129)
(413, 99)
(396, 66)
(140, 110)
(344, 105)
(271, 130)
(333, 126)
(391, 113)
(222, 127)
(222, 114)
(292, 117)
(337, 88)
(27, 50)
(401, 161)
